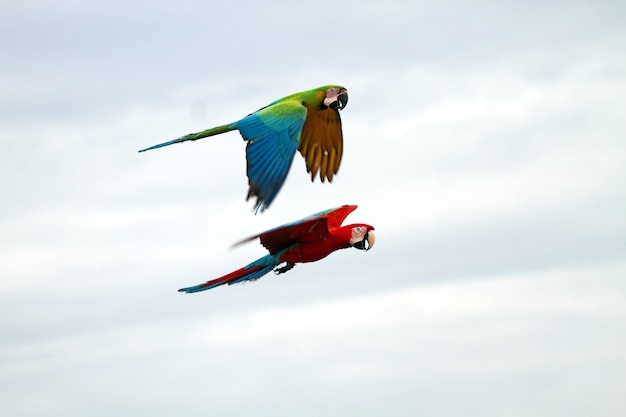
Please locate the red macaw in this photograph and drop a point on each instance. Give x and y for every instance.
(306, 240)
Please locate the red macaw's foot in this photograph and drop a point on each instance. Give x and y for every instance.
(283, 269)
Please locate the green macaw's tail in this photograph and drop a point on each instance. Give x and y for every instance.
(195, 136)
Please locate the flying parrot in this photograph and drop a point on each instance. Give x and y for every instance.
(307, 121)
(306, 240)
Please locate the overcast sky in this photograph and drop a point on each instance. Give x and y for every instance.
(485, 141)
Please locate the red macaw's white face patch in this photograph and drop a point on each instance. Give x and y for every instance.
(362, 238)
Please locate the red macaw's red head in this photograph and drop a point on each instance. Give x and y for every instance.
(363, 237)
(336, 98)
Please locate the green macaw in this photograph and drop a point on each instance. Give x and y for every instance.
(307, 121)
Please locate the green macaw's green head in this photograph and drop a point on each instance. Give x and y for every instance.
(336, 98)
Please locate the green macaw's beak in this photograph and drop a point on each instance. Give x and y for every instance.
(342, 101)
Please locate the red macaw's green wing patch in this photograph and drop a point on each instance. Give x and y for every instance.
(313, 227)
(321, 142)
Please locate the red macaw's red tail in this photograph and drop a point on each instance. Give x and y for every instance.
(251, 272)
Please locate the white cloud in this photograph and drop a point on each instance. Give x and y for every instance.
(499, 329)
(484, 144)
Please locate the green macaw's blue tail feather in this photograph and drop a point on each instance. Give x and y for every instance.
(250, 272)
(195, 136)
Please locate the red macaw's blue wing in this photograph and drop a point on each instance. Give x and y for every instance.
(317, 224)
(273, 133)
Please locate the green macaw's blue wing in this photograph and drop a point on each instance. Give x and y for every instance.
(273, 134)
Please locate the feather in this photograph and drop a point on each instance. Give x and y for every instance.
(250, 272)
(322, 137)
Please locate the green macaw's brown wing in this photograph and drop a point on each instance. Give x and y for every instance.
(321, 143)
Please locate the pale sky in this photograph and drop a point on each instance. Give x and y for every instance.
(485, 141)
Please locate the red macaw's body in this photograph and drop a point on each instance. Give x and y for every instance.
(307, 240)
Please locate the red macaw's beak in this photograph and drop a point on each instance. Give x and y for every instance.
(367, 243)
